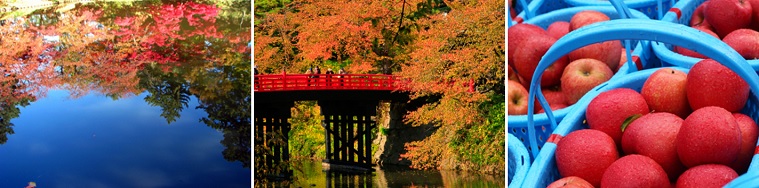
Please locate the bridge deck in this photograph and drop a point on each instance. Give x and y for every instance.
(300, 82)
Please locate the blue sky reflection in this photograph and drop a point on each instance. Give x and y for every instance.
(94, 141)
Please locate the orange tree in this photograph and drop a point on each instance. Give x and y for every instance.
(364, 36)
(458, 58)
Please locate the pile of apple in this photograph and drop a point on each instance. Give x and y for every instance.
(681, 130)
(735, 22)
(567, 79)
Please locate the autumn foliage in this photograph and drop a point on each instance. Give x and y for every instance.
(451, 54)
(87, 49)
(170, 50)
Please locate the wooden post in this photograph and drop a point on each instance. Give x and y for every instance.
(345, 145)
(337, 139)
(351, 144)
(350, 131)
(269, 157)
(286, 149)
(327, 140)
(368, 143)
(276, 129)
(359, 131)
(329, 179)
(272, 118)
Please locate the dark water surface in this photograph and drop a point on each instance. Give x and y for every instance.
(310, 174)
(126, 94)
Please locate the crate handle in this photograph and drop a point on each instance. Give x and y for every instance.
(508, 14)
(518, 149)
(749, 179)
(634, 29)
(624, 13)
(526, 8)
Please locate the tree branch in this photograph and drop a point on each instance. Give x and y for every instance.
(400, 24)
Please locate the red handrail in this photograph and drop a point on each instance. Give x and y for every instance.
(298, 82)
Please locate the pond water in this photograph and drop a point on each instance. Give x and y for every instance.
(126, 94)
(310, 174)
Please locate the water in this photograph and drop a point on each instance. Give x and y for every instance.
(310, 174)
(126, 94)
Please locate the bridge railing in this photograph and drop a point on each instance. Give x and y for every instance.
(293, 82)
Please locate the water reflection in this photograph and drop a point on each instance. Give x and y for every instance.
(172, 50)
(310, 174)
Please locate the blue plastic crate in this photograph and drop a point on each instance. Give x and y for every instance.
(539, 7)
(518, 123)
(681, 13)
(748, 180)
(650, 8)
(519, 162)
(543, 170)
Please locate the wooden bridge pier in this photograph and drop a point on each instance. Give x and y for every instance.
(348, 129)
(348, 104)
(271, 129)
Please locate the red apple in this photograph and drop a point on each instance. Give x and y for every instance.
(635, 171)
(512, 13)
(570, 182)
(653, 135)
(710, 135)
(754, 14)
(623, 60)
(554, 98)
(686, 52)
(609, 110)
(698, 17)
(524, 82)
(748, 142)
(558, 29)
(709, 175)
(527, 57)
(553, 108)
(599, 51)
(728, 15)
(745, 42)
(664, 91)
(582, 75)
(517, 97)
(513, 75)
(712, 84)
(586, 17)
(586, 154)
(519, 33)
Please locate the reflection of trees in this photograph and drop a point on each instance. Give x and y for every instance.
(228, 108)
(231, 114)
(166, 90)
(172, 50)
(8, 111)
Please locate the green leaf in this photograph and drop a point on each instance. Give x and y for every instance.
(630, 120)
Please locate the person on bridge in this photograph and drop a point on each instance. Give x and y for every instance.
(309, 76)
(317, 72)
(329, 74)
(255, 79)
(342, 75)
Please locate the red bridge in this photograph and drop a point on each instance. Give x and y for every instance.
(348, 104)
(300, 82)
